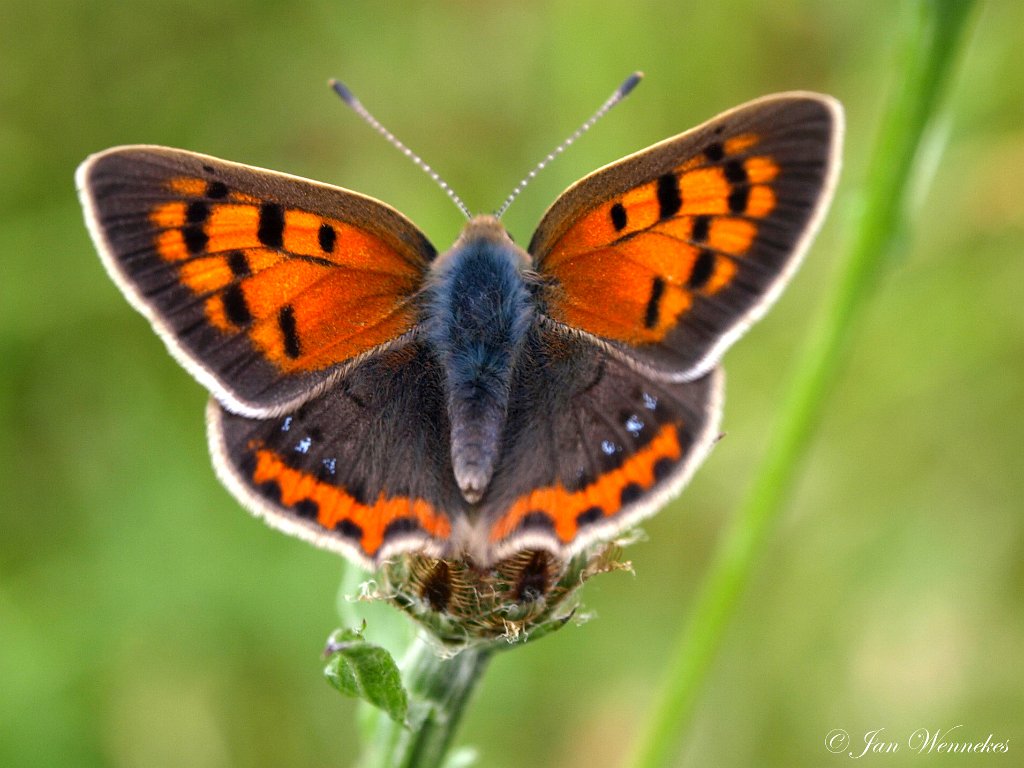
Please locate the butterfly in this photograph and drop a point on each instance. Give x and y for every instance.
(376, 397)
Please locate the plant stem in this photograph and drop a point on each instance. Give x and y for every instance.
(438, 691)
(927, 59)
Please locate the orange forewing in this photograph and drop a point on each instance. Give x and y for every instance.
(668, 255)
(336, 306)
(649, 265)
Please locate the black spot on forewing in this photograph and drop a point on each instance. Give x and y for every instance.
(701, 224)
(271, 227)
(735, 173)
(195, 239)
(194, 232)
(703, 268)
(327, 236)
(738, 199)
(197, 212)
(289, 331)
(238, 263)
(654, 302)
(619, 219)
(235, 306)
(669, 198)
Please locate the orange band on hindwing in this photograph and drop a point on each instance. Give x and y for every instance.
(367, 524)
(601, 499)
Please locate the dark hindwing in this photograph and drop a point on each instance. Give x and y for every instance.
(592, 446)
(263, 285)
(670, 254)
(364, 469)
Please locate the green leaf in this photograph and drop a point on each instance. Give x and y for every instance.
(365, 671)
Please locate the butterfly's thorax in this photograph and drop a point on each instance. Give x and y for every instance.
(476, 316)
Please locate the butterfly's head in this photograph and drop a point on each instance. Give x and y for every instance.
(485, 231)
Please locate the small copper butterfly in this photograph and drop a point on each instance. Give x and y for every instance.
(375, 397)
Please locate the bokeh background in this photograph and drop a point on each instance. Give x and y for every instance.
(146, 620)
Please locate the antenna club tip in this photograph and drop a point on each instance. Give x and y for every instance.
(631, 82)
(343, 91)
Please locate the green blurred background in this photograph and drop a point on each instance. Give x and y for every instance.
(146, 620)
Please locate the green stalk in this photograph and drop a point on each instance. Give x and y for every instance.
(927, 58)
(438, 691)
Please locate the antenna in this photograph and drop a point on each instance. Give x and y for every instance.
(620, 93)
(350, 98)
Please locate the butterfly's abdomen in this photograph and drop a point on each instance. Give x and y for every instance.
(478, 313)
